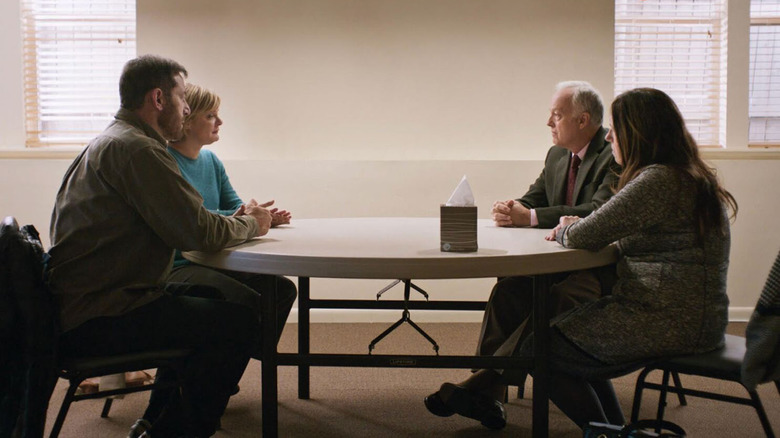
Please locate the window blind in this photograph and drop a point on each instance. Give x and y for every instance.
(675, 46)
(73, 54)
(764, 85)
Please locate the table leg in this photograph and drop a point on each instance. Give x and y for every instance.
(304, 310)
(541, 388)
(270, 389)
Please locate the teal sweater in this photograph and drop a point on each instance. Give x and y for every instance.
(207, 175)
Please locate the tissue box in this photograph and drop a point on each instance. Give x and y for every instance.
(458, 228)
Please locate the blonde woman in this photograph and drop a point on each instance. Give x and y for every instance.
(206, 173)
(201, 168)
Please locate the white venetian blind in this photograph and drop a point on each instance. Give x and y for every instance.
(73, 53)
(765, 72)
(675, 46)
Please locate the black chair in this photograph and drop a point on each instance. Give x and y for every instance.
(731, 362)
(76, 370)
(521, 389)
(29, 315)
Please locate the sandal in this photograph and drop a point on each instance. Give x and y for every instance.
(88, 386)
(137, 378)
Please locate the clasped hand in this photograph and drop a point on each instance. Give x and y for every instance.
(564, 220)
(266, 218)
(511, 213)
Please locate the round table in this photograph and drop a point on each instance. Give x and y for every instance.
(396, 248)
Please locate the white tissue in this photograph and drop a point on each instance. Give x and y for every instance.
(462, 196)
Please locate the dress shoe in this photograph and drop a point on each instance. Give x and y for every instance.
(436, 406)
(139, 429)
(474, 405)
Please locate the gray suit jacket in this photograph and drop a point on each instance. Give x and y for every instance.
(595, 179)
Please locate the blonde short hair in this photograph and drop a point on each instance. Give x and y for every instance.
(200, 101)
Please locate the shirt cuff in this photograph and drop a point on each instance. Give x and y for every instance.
(561, 237)
(534, 220)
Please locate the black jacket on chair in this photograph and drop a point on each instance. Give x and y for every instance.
(27, 333)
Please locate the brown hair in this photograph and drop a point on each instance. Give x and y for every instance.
(145, 73)
(650, 130)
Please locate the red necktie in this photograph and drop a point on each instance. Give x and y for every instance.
(575, 166)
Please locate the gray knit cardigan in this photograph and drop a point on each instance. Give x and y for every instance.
(670, 297)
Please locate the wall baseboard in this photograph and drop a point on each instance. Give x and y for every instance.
(736, 314)
(740, 314)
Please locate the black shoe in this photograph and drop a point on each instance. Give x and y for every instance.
(436, 406)
(474, 405)
(137, 430)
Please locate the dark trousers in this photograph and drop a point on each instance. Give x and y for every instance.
(507, 320)
(221, 334)
(242, 288)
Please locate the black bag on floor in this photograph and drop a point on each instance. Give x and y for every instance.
(27, 333)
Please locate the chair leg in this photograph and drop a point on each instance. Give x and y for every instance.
(521, 387)
(640, 386)
(678, 385)
(71, 392)
(106, 407)
(662, 399)
(761, 414)
(777, 384)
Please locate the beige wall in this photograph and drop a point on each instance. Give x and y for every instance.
(333, 188)
(383, 80)
(377, 108)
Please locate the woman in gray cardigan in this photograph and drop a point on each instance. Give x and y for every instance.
(669, 220)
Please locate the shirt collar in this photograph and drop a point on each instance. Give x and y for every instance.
(582, 152)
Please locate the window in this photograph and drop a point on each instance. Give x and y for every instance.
(764, 72)
(675, 46)
(73, 53)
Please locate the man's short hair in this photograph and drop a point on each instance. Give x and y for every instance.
(145, 73)
(585, 99)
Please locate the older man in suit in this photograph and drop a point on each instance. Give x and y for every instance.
(578, 176)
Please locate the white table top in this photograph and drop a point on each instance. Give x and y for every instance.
(390, 248)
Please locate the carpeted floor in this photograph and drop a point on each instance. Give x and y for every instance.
(376, 402)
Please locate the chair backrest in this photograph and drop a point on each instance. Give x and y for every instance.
(28, 364)
(762, 359)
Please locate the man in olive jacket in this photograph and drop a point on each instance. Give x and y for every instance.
(121, 210)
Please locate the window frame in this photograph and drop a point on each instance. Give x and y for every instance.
(764, 20)
(668, 40)
(62, 42)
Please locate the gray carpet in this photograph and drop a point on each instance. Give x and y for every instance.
(375, 402)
